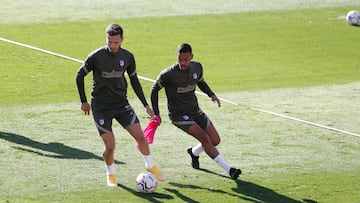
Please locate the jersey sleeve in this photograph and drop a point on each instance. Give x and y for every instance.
(157, 86)
(205, 88)
(155, 97)
(134, 81)
(85, 68)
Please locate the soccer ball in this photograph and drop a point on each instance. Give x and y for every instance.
(146, 182)
(353, 18)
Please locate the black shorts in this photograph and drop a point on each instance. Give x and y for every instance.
(104, 115)
(184, 121)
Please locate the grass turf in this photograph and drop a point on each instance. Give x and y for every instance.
(50, 152)
(277, 49)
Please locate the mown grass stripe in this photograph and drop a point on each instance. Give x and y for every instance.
(200, 93)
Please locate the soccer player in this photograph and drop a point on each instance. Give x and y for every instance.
(109, 101)
(180, 81)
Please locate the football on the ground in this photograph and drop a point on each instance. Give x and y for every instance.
(353, 18)
(146, 182)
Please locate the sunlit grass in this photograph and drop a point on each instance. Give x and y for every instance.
(300, 63)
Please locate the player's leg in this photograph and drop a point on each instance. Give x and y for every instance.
(137, 133)
(103, 122)
(211, 150)
(194, 153)
(197, 149)
(215, 139)
(198, 133)
(129, 120)
(204, 123)
(213, 134)
(109, 143)
(184, 122)
(108, 154)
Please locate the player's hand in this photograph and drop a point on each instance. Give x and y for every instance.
(149, 111)
(215, 99)
(156, 119)
(85, 107)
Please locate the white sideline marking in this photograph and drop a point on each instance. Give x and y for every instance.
(307, 122)
(201, 93)
(41, 50)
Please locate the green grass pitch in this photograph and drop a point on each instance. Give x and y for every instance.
(295, 58)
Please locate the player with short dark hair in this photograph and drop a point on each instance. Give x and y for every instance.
(109, 101)
(180, 81)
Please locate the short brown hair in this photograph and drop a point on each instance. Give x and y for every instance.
(114, 29)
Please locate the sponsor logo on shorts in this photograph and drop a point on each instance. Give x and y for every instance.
(101, 121)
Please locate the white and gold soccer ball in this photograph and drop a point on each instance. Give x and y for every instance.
(353, 17)
(146, 182)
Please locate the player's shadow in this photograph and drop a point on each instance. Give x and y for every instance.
(52, 149)
(181, 196)
(246, 191)
(151, 197)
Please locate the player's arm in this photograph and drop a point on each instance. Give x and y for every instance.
(134, 80)
(80, 76)
(85, 106)
(136, 85)
(155, 97)
(204, 87)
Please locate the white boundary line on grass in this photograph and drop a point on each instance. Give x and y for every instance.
(201, 93)
(306, 122)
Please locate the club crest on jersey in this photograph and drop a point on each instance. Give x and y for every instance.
(121, 63)
(195, 76)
